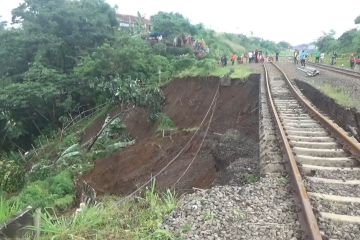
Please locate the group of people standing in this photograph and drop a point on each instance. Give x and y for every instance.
(254, 57)
(224, 60)
(320, 57)
(303, 57)
(248, 57)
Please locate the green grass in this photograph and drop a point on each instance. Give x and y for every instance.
(233, 44)
(241, 72)
(340, 95)
(166, 124)
(8, 209)
(251, 178)
(201, 72)
(238, 71)
(209, 216)
(137, 219)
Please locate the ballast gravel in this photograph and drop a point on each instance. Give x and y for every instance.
(333, 189)
(336, 174)
(344, 208)
(261, 210)
(339, 230)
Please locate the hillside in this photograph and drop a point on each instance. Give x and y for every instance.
(59, 88)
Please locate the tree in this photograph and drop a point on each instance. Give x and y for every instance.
(346, 40)
(284, 45)
(37, 60)
(172, 24)
(72, 26)
(327, 42)
(357, 20)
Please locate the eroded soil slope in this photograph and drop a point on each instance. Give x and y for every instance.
(187, 101)
(347, 118)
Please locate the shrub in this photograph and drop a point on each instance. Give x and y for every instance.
(58, 191)
(35, 194)
(64, 202)
(160, 48)
(184, 62)
(12, 175)
(207, 64)
(62, 184)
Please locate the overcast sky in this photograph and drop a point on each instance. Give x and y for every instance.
(278, 20)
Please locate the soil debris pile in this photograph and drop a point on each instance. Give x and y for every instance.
(187, 101)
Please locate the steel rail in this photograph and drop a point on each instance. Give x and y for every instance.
(350, 142)
(309, 217)
(337, 70)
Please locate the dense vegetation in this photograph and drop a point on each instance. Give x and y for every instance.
(67, 63)
(348, 42)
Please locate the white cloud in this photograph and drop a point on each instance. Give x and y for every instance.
(278, 20)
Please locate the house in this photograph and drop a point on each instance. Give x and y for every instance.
(129, 21)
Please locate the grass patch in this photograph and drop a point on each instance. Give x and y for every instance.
(209, 216)
(251, 178)
(138, 219)
(238, 71)
(166, 124)
(230, 41)
(241, 72)
(202, 72)
(340, 95)
(8, 209)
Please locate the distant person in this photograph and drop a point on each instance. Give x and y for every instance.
(250, 54)
(277, 56)
(256, 56)
(246, 57)
(303, 57)
(352, 61)
(234, 59)
(322, 57)
(296, 55)
(224, 61)
(317, 57)
(333, 58)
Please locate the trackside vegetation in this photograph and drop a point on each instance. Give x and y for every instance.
(112, 219)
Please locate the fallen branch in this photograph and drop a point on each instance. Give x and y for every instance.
(107, 121)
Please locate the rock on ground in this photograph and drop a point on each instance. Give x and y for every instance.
(260, 210)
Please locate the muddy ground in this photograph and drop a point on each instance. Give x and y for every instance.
(233, 134)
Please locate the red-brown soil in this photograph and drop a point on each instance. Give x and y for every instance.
(187, 101)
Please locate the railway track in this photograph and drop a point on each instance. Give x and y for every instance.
(343, 71)
(323, 161)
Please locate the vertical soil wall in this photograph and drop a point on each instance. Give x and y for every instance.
(187, 101)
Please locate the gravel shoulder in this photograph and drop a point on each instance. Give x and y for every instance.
(261, 210)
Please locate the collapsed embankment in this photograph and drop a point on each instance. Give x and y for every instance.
(187, 101)
(347, 118)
